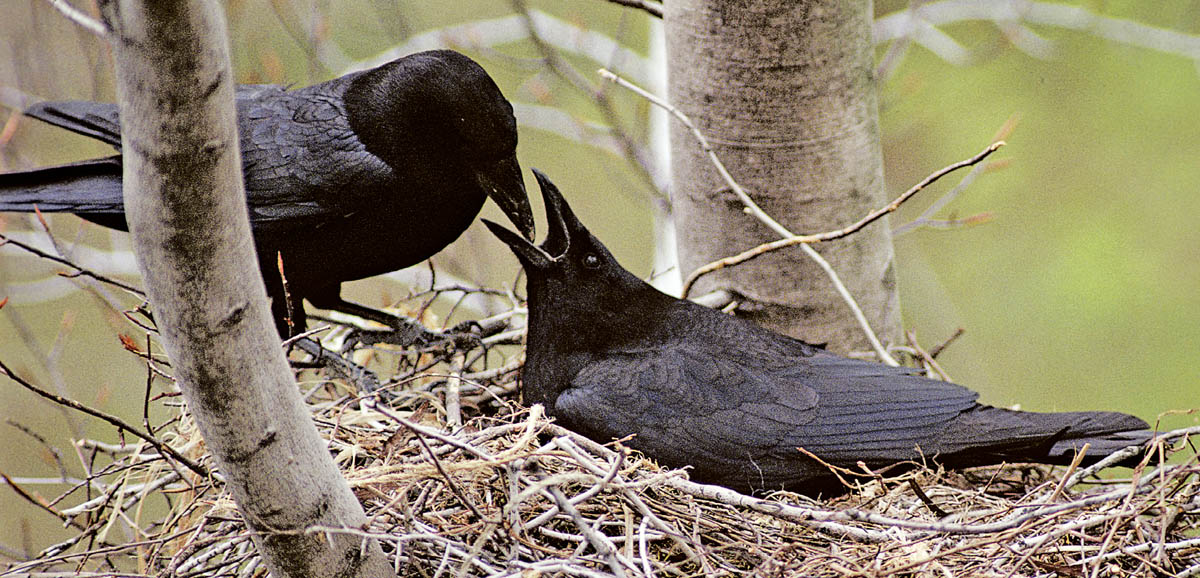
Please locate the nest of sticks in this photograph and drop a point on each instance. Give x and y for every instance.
(460, 480)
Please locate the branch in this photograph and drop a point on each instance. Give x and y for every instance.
(6, 240)
(1018, 12)
(186, 210)
(654, 9)
(839, 233)
(564, 70)
(114, 420)
(79, 18)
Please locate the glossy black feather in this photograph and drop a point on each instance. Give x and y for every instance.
(611, 357)
(358, 176)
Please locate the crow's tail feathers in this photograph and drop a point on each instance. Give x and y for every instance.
(99, 120)
(989, 435)
(90, 189)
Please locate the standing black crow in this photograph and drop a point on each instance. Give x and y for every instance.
(610, 356)
(358, 176)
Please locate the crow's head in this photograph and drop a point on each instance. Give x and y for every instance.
(569, 248)
(578, 292)
(439, 111)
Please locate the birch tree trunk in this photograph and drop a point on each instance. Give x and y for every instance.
(191, 235)
(785, 92)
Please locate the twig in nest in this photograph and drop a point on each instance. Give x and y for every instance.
(925, 356)
(921, 495)
(939, 348)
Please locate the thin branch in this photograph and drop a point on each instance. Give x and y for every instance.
(80, 19)
(115, 421)
(839, 233)
(654, 9)
(6, 240)
(599, 541)
(926, 216)
(564, 70)
(754, 210)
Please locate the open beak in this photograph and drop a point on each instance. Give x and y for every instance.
(531, 257)
(502, 182)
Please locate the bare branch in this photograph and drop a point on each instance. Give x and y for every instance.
(6, 240)
(839, 233)
(114, 420)
(80, 19)
(652, 8)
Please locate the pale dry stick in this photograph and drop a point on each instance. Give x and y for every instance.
(479, 376)
(565, 441)
(754, 210)
(1126, 453)
(824, 518)
(424, 431)
(531, 427)
(601, 543)
(1123, 511)
(1038, 541)
(551, 567)
(730, 497)
(595, 488)
(454, 391)
(1144, 547)
(643, 548)
(871, 217)
(429, 536)
(1054, 495)
(1062, 483)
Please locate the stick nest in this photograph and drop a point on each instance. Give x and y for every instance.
(510, 493)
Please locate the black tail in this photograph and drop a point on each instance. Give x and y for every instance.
(98, 120)
(90, 189)
(986, 435)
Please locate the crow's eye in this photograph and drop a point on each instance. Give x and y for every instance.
(591, 261)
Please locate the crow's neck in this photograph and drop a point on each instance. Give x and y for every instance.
(567, 330)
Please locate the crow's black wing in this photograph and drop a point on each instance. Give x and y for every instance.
(872, 412)
(683, 400)
(302, 160)
(718, 409)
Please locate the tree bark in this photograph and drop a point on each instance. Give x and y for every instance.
(186, 211)
(784, 90)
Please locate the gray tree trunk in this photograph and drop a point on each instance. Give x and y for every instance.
(785, 92)
(187, 215)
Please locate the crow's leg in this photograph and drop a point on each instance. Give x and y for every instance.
(360, 376)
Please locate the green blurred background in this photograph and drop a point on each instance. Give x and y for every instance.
(1079, 292)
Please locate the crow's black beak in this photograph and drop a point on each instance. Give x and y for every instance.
(502, 182)
(531, 257)
(558, 238)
